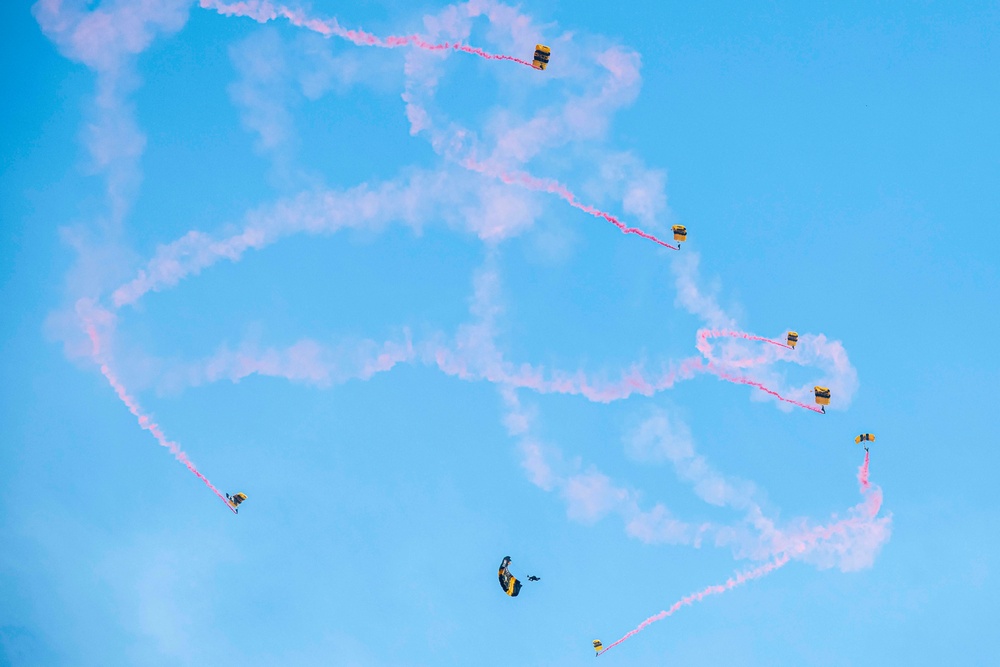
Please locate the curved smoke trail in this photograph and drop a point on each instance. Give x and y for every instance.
(555, 187)
(263, 11)
(798, 545)
(739, 379)
(706, 348)
(714, 366)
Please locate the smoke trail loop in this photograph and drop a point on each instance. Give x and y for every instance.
(798, 545)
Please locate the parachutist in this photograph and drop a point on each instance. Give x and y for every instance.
(542, 53)
(680, 234)
(865, 437)
(508, 582)
(822, 397)
(235, 500)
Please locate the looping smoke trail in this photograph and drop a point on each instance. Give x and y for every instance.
(706, 348)
(144, 420)
(799, 544)
(263, 11)
(731, 583)
(555, 187)
(714, 366)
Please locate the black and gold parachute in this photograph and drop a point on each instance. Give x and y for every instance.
(508, 582)
(542, 54)
(598, 646)
(680, 233)
(864, 437)
(235, 500)
(822, 396)
(793, 339)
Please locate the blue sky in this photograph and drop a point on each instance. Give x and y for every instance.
(295, 274)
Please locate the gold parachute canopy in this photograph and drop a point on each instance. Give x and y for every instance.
(598, 645)
(508, 582)
(235, 500)
(822, 395)
(680, 233)
(864, 437)
(542, 54)
(793, 339)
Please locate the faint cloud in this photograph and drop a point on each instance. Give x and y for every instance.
(591, 496)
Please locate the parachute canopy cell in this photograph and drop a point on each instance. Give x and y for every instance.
(793, 339)
(508, 582)
(822, 395)
(864, 437)
(680, 233)
(542, 54)
(598, 645)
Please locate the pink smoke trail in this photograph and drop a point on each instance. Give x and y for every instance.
(712, 368)
(263, 11)
(526, 376)
(863, 475)
(706, 348)
(798, 544)
(731, 583)
(802, 542)
(144, 421)
(705, 334)
(555, 187)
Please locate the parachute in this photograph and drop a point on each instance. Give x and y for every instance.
(822, 396)
(793, 339)
(680, 233)
(598, 646)
(508, 582)
(865, 437)
(542, 54)
(235, 500)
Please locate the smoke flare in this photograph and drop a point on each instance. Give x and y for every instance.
(863, 474)
(799, 545)
(738, 379)
(263, 11)
(731, 583)
(145, 422)
(555, 187)
(705, 334)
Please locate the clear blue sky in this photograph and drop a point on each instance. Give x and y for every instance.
(837, 167)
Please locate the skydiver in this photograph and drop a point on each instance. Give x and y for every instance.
(235, 500)
(534, 578)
